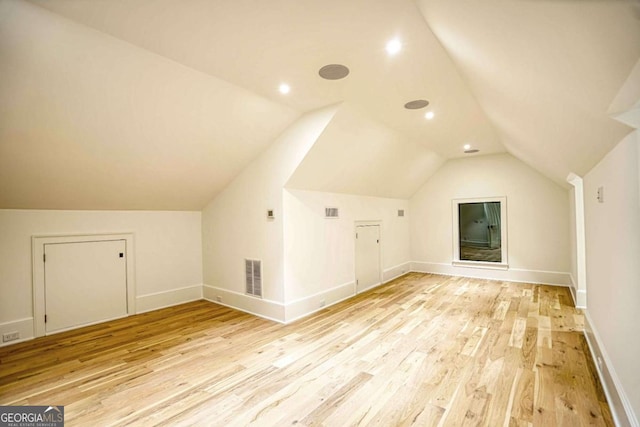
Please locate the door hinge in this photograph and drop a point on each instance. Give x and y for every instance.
(356, 235)
(44, 257)
(356, 281)
(45, 318)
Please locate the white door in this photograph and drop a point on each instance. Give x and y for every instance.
(85, 283)
(367, 257)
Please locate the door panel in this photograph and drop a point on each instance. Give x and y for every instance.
(367, 257)
(85, 283)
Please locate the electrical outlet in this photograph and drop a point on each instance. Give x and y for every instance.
(218, 298)
(10, 336)
(322, 303)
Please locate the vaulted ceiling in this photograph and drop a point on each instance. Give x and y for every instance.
(544, 71)
(158, 104)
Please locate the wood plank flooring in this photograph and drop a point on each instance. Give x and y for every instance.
(422, 350)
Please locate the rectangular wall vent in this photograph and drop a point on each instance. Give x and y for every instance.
(400, 212)
(253, 277)
(331, 212)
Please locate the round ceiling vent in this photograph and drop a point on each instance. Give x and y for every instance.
(416, 105)
(333, 72)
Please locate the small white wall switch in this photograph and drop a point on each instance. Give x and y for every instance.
(601, 194)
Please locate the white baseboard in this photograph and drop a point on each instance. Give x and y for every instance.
(299, 308)
(375, 285)
(579, 296)
(170, 298)
(306, 306)
(24, 327)
(144, 303)
(619, 403)
(394, 272)
(267, 309)
(512, 274)
(572, 288)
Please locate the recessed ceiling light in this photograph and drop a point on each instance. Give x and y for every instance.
(429, 115)
(393, 46)
(416, 105)
(284, 88)
(333, 72)
(469, 150)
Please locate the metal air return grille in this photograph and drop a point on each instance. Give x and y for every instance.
(331, 212)
(253, 277)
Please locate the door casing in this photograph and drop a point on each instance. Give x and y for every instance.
(38, 272)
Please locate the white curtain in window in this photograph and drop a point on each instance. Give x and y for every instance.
(492, 212)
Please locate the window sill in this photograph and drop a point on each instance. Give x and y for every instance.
(480, 264)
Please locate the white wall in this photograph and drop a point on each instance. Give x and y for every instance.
(320, 252)
(358, 155)
(537, 214)
(613, 264)
(168, 257)
(235, 224)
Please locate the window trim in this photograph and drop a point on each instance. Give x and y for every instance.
(457, 262)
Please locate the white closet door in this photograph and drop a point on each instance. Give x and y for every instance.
(367, 257)
(85, 283)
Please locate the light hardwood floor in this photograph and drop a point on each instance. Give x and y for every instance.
(422, 350)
